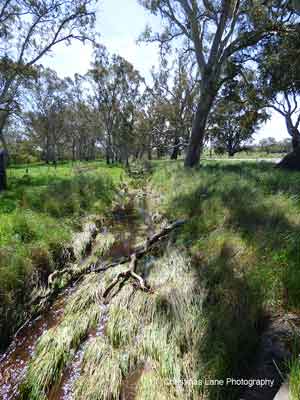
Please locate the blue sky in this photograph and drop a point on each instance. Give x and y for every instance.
(120, 22)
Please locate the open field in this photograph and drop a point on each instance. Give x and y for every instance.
(244, 155)
(41, 209)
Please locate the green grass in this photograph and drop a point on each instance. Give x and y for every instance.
(39, 212)
(57, 346)
(233, 262)
(244, 154)
(294, 379)
(294, 368)
(162, 330)
(251, 209)
(243, 236)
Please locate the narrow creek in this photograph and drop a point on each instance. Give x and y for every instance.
(129, 225)
(14, 362)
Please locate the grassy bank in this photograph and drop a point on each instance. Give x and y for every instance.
(39, 212)
(213, 281)
(243, 236)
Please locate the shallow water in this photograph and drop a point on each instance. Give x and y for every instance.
(13, 363)
(128, 224)
(64, 390)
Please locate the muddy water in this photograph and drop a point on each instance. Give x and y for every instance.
(64, 390)
(13, 364)
(129, 224)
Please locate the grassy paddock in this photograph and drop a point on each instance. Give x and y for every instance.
(245, 154)
(39, 212)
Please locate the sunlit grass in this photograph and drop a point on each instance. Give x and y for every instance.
(161, 330)
(243, 235)
(294, 379)
(39, 212)
(58, 345)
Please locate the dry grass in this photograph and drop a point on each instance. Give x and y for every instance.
(161, 329)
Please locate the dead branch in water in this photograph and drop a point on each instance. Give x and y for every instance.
(139, 251)
(101, 266)
(124, 276)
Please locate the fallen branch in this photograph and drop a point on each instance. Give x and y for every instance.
(122, 277)
(139, 251)
(57, 274)
(100, 266)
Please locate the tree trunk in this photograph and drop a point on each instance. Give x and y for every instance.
(293, 132)
(175, 151)
(3, 121)
(198, 131)
(48, 156)
(107, 157)
(73, 150)
(3, 181)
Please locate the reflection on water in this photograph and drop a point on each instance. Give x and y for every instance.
(14, 362)
(128, 224)
(64, 390)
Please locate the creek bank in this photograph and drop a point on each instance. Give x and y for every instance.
(45, 310)
(165, 326)
(272, 357)
(108, 239)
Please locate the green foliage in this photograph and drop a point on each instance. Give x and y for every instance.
(237, 113)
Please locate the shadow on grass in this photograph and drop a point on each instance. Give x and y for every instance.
(237, 199)
(234, 314)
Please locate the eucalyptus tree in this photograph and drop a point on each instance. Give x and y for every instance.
(45, 118)
(175, 93)
(80, 126)
(237, 113)
(28, 31)
(279, 66)
(115, 96)
(219, 34)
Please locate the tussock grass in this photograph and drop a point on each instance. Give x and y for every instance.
(101, 376)
(58, 345)
(103, 243)
(162, 330)
(294, 369)
(294, 379)
(243, 237)
(152, 387)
